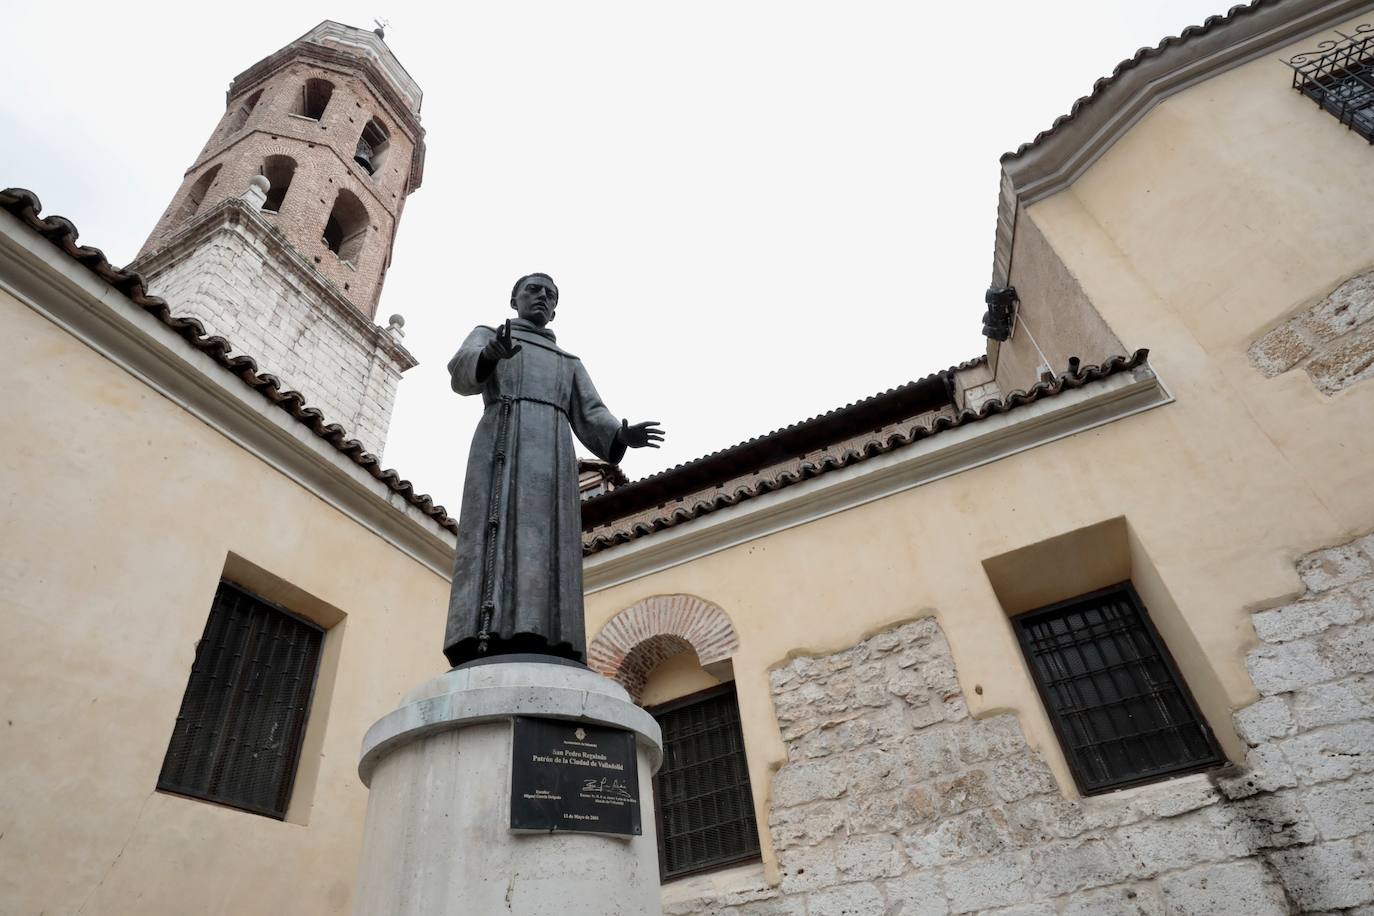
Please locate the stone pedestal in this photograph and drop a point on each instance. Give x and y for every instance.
(438, 839)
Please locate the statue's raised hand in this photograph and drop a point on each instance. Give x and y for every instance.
(500, 346)
(640, 435)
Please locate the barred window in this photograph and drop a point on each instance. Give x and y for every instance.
(238, 736)
(701, 794)
(1122, 712)
(1339, 77)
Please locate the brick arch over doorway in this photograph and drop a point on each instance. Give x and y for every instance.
(635, 640)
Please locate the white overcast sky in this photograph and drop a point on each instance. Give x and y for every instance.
(755, 211)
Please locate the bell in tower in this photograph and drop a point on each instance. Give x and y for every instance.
(281, 233)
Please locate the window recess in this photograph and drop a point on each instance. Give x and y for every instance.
(704, 806)
(237, 738)
(1122, 713)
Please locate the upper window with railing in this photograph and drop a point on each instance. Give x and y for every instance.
(1339, 76)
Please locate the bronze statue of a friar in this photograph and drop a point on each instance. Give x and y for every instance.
(517, 583)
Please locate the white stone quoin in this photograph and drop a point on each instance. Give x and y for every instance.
(438, 838)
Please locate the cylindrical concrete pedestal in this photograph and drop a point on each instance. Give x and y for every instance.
(438, 838)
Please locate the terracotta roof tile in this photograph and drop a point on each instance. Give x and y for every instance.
(678, 482)
(1134, 61)
(63, 233)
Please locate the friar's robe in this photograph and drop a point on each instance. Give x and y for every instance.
(520, 528)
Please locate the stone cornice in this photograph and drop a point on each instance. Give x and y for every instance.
(952, 452)
(237, 214)
(59, 288)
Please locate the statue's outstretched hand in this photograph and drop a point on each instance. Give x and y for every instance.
(640, 435)
(500, 347)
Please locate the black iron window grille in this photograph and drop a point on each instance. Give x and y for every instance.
(701, 794)
(237, 739)
(1339, 76)
(1123, 714)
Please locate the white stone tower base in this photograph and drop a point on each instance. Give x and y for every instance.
(437, 839)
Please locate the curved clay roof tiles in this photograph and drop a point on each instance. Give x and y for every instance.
(872, 448)
(59, 230)
(1135, 60)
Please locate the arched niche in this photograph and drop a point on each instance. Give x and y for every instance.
(636, 640)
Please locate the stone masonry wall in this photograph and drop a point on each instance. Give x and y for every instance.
(240, 289)
(1333, 340)
(894, 801)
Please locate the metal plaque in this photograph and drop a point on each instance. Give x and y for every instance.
(568, 775)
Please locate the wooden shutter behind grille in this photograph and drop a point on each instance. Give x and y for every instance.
(237, 739)
(706, 808)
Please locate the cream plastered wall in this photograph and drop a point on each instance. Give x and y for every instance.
(676, 676)
(1227, 208)
(121, 512)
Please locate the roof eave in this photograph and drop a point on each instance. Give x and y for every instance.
(1058, 156)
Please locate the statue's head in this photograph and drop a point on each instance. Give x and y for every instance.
(534, 298)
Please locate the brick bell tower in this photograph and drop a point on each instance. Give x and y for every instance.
(280, 235)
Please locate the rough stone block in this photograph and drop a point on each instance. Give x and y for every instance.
(1342, 363)
(1332, 753)
(836, 737)
(1263, 822)
(921, 631)
(1039, 820)
(970, 789)
(799, 783)
(807, 825)
(1064, 867)
(1265, 770)
(890, 812)
(1279, 350)
(808, 869)
(930, 753)
(1124, 900)
(916, 894)
(1025, 909)
(1334, 703)
(989, 883)
(846, 900)
(781, 678)
(1328, 876)
(1269, 718)
(864, 858)
(1016, 778)
(1175, 796)
(1342, 810)
(1334, 567)
(1347, 307)
(998, 736)
(927, 711)
(967, 836)
(872, 771)
(1288, 667)
(1152, 847)
(1307, 618)
(1351, 650)
(794, 906)
(1232, 889)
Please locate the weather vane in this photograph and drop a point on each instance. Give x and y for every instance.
(381, 27)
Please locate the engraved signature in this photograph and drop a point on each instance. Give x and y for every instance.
(606, 786)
